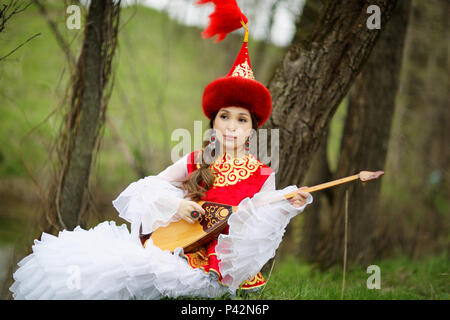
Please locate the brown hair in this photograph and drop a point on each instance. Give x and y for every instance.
(202, 179)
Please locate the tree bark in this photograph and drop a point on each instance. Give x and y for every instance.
(313, 223)
(307, 20)
(310, 224)
(364, 146)
(91, 80)
(414, 218)
(313, 78)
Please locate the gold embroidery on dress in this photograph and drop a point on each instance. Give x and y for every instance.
(243, 70)
(198, 259)
(251, 283)
(230, 171)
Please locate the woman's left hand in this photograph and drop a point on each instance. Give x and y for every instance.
(300, 198)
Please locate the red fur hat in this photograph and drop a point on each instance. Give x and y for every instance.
(238, 87)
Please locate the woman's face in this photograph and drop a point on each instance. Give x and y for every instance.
(233, 125)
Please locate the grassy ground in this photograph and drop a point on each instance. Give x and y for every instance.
(401, 278)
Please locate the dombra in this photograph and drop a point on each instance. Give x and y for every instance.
(190, 236)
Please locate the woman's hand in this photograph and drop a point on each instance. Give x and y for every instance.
(300, 198)
(185, 209)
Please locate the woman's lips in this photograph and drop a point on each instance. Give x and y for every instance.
(229, 137)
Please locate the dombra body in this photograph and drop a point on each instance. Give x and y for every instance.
(190, 236)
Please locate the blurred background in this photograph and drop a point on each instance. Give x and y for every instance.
(155, 84)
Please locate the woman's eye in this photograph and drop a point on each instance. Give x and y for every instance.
(243, 120)
(223, 116)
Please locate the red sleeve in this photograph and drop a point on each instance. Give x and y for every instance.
(191, 163)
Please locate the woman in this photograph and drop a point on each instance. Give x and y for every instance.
(109, 262)
(218, 182)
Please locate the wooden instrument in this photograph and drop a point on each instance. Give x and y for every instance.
(190, 236)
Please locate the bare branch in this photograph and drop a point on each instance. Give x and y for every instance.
(26, 41)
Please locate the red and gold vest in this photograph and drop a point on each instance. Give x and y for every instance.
(236, 179)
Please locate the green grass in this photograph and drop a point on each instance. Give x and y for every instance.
(401, 278)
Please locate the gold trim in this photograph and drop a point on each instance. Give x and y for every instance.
(253, 281)
(232, 170)
(243, 70)
(253, 287)
(246, 30)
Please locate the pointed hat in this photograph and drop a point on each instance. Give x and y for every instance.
(238, 87)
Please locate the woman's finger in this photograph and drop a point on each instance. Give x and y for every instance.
(195, 206)
(199, 208)
(188, 219)
(303, 194)
(297, 204)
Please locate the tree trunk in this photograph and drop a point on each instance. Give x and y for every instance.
(304, 29)
(313, 78)
(306, 23)
(92, 77)
(364, 146)
(313, 224)
(415, 217)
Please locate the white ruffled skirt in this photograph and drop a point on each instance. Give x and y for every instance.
(108, 262)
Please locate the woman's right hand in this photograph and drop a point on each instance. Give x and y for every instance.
(185, 209)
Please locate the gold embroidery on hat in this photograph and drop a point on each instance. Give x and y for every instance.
(243, 70)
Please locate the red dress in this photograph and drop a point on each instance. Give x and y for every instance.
(235, 180)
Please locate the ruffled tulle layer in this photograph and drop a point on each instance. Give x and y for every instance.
(106, 262)
(256, 230)
(151, 202)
